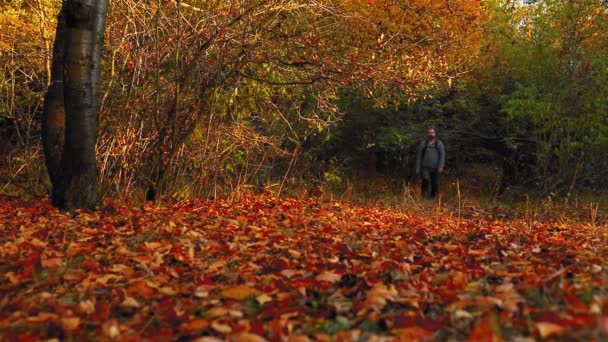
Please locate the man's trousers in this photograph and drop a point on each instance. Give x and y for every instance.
(430, 183)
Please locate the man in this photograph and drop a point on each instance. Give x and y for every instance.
(430, 161)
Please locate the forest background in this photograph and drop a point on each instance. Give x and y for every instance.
(214, 98)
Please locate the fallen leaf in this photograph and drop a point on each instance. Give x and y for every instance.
(247, 337)
(130, 302)
(221, 328)
(546, 329)
(51, 263)
(240, 292)
(70, 323)
(194, 325)
(329, 276)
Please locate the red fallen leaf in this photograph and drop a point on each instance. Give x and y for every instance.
(389, 265)
(102, 312)
(576, 304)
(482, 331)
(549, 316)
(429, 324)
(90, 265)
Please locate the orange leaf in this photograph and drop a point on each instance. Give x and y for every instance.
(194, 325)
(70, 323)
(240, 292)
(482, 331)
(51, 263)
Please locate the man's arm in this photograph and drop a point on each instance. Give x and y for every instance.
(419, 157)
(441, 149)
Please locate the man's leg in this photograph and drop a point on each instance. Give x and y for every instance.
(426, 180)
(434, 183)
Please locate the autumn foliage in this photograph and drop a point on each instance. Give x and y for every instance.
(263, 268)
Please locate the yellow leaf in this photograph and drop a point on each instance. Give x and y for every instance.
(240, 292)
(546, 329)
(263, 299)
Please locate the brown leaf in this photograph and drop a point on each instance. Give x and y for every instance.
(329, 276)
(379, 295)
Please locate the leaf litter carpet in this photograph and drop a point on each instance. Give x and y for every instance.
(297, 270)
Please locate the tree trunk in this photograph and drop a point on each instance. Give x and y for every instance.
(53, 115)
(75, 177)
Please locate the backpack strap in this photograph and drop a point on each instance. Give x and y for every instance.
(426, 145)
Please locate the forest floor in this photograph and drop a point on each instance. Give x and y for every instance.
(262, 268)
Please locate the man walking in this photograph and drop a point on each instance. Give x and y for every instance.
(430, 160)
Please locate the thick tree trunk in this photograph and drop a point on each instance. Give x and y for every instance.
(76, 184)
(53, 116)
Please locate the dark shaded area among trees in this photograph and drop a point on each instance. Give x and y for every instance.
(205, 98)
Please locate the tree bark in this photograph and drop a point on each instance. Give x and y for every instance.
(75, 177)
(53, 115)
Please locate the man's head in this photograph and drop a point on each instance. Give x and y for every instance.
(430, 133)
